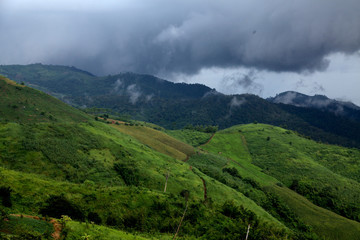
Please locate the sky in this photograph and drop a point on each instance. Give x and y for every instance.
(249, 46)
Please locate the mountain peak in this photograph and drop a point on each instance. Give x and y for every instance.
(321, 102)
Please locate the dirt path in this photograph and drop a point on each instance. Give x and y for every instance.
(205, 189)
(208, 140)
(57, 226)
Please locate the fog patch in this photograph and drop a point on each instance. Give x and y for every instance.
(117, 85)
(235, 103)
(134, 93)
(244, 81)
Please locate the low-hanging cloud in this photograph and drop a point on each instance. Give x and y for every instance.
(245, 81)
(167, 37)
(134, 93)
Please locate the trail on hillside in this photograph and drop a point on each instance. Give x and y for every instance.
(57, 226)
(205, 189)
(243, 139)
(203, 181)
(208, 140)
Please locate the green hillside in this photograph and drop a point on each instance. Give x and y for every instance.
(157, 140)
(26, 105)
(73, 165)
(274, 159)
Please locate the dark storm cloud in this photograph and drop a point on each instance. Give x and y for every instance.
(170, 37)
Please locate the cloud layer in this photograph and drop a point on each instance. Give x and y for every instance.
(179, 37)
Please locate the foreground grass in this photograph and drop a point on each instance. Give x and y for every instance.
(79, 230)
(133, 209)
(15, 225)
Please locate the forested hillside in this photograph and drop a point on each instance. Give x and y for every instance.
(173, 106)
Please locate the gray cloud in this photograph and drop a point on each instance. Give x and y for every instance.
(245, 81)
(117, 85)
(166, 37)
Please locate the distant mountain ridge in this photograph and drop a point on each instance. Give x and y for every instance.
(175, 105)
(321, 102)
(70, 81)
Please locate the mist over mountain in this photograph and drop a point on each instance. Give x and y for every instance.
(321, 102)
(175, 105)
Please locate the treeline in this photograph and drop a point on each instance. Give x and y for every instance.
(201, 128)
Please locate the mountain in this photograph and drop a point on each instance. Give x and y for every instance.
(109, 177)
(323, 103)
(70, 82)
(175, 105)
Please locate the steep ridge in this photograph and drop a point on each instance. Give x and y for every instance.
(340, 108)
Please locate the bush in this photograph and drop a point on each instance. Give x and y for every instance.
(56, 206)
(128, 172)
(5, 196)
(94, 217)
(252, 182)
(232, 171)
(112, 221)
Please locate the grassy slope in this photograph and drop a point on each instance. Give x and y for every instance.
(158, 140)
(229, 145)
(193, 138)
(247, 147)
(78, 231)
(289, 157)
(26, 105)
(181, 177)
(324, 222)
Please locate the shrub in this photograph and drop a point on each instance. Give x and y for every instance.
(252, 182)
(94, 217)
(5, 196)
(128, 172)
(56, 206)
(232, 171)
